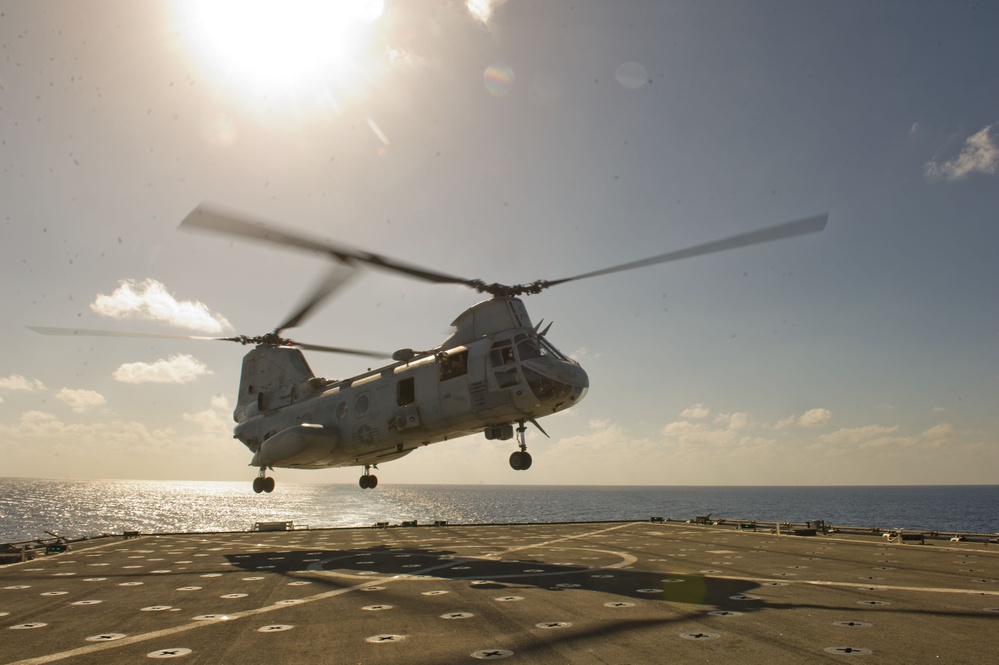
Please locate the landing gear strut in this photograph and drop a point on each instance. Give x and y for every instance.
(262, 483)
(368, 481)
(521, 460)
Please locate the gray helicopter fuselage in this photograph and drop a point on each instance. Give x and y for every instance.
(495, 370)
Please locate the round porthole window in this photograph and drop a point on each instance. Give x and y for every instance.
(361, 405)
(341, 410)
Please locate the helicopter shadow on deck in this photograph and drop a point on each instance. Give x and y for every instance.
(349, 567)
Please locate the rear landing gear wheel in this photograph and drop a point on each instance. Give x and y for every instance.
(263, 484)
(520, 461)
(368, 481)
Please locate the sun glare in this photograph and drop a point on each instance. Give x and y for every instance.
(290, 47)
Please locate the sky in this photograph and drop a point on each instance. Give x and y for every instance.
(513, 141)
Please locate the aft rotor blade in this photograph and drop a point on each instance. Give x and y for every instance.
(88, 332)
(336, 278)
(771, 233)
(232, 223)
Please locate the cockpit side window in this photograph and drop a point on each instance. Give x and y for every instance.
(528, 348)
(501, 354)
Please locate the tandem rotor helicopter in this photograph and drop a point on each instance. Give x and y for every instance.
(496, 370)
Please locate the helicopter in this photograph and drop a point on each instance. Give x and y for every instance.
(496, 369)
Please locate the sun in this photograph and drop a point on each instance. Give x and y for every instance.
(290, 48)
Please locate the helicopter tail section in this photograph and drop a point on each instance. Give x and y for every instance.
(271, 377)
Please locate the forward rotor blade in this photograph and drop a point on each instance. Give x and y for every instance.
(777, 232)
(232, 223)
(88, 332)
(335, 279)
(339, 349)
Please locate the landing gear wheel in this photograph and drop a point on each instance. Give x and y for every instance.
(520, 460)
(368, 482)
(258, 485)
(268, 484)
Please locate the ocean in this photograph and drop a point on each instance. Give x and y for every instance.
(73, 508)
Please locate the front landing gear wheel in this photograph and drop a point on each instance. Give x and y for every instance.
(368, 481)
(520, 460)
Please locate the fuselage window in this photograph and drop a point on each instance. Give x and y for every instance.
(405, 391)
(361, 404)
(454, 365)
(341, 410)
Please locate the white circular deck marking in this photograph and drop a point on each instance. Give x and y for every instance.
(18, 586)
(235, 595)
(852, 624)
(299, 583)
(384, 639)
(725, 613)
(551, 625)
(649, 590)
(619, 603)
(376, 608)
(275, 628)
(457, 615)
(87, 602)
(168, 653)
(54, 593)
(433, 593)
(874, 603)
(700, 636)
(156, 608)
(289, 601)
(94, 579)
(509, 599)
(491, 654)
(252, 579)
(848, 651)
(131, 584)
(106, 637)
(189, 588)
(211, 617)
(373, 588)
(28, 626)
(744, 596)
(208, 574)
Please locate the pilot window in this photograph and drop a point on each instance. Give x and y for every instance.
(454, 365)
(501, 354)
(405, 391)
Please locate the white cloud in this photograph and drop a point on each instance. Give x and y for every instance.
(980, 154)
(696, 411)
(18, 382)
(80, 400)
(482, 10)
(814, 418)
(858, 435)
(938, 431)
(180, 368)
(214, 420)
(150, 300)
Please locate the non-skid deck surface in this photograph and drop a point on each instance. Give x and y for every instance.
(566, 593)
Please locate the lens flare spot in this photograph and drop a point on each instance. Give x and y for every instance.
(632, 75)
(499, 79)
